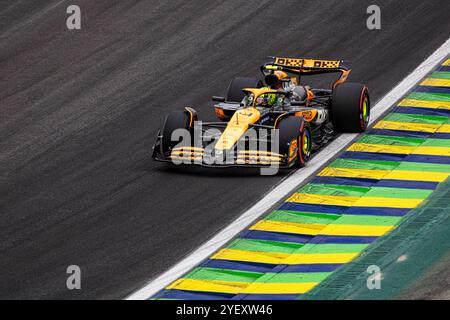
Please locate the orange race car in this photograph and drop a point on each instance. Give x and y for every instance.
(275, 122)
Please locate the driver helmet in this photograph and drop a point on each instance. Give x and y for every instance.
(266, 100)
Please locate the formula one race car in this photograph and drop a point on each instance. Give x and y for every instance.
(275, 123)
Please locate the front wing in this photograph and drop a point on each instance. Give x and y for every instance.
(189, 155)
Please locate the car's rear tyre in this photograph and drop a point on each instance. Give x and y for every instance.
(175, 120)
(350, 107)
(235, 93)
(295, 133)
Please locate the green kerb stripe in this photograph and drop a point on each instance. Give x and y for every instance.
(335, 190)
(429, 96)
(294, 277)
(210, 274)
(302, 217)
(332, 248)
(440, 75)
(393, 141)
(364, 164)
(389, 165)
(356, 191)
(428, 167)
(437, 143)
(287, 216)
(368, 220)
(414, 118)
(399, 193)
(283, 247)
(223, 275)
(264, 246)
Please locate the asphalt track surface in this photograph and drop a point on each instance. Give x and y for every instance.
(80, 110)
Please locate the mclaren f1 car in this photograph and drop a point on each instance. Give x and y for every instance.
(277, 121)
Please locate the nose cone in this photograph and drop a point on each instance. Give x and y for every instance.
(237, 127)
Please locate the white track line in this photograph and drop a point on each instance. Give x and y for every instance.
(289, 184)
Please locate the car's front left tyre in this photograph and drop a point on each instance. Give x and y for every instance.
(175, 120)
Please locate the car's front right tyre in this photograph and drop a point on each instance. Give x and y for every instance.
(295, 139)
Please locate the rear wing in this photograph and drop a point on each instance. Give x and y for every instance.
(301, 66)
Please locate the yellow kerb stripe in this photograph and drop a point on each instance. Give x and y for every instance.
(283, 258)
(407, 126)
(279, 288)
(385, 174)
(241, 287)
(356, 230)
(445, 128)
(353, 173)
(315, 229)
(367, 147)
(209, 286)
(446, 63)
(288, 227)
(436, 151)
(417, 175)
(436, 82)
(354, 201)
(322, 199)
(425, 104)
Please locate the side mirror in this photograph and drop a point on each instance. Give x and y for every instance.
(218, 99)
